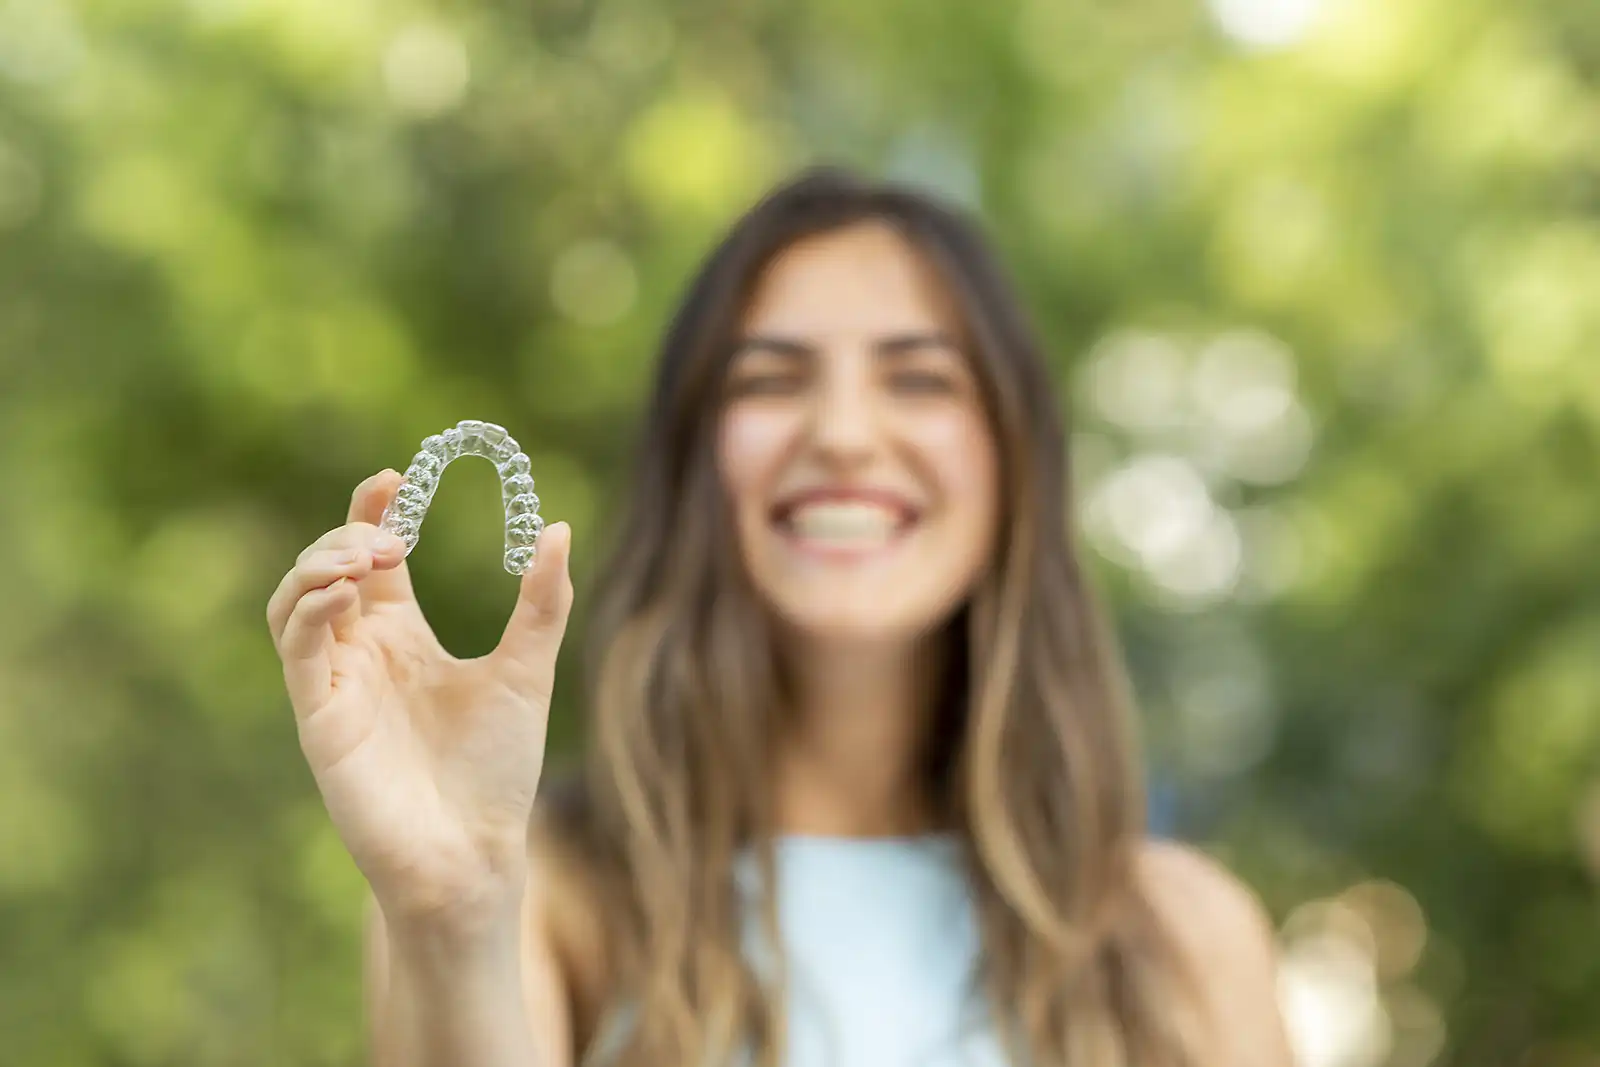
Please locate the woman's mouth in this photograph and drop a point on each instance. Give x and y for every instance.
(844, 528)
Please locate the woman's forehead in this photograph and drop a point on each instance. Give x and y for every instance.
(864, 279)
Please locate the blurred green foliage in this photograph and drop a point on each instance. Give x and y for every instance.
(252, 251)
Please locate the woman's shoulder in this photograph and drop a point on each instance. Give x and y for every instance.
(1221, 928)
(1188, 885)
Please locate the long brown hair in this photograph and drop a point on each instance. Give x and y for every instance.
(1032, 761)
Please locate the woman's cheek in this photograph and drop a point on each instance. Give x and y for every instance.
(957, 445)
(753, 443)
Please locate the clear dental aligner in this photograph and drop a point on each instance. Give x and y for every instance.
(469, 437)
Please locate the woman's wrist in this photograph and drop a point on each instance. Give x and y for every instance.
(465, 927)
(452, 913)
(455, 989)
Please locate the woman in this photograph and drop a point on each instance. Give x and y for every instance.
(858, 788)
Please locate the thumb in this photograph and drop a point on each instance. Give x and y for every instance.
(526, 655)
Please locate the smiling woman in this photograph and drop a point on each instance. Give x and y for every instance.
(847, 642)
(860, 789)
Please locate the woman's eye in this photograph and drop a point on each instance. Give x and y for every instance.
(772, 384)
(912, 381)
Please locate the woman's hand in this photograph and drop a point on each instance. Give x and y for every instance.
(427, 763)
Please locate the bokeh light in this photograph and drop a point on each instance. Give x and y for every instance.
(426, 70)
(1266, 23)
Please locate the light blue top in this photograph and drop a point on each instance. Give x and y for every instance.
(882, 941)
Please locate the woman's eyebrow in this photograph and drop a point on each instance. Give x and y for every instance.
(896, 344)
(779, 346)
(914, 341)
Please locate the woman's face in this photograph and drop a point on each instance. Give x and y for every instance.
(854, 444)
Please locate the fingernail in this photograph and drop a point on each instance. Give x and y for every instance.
(388, 542)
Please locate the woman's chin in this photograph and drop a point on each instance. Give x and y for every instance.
(856, 624)
(884, 596)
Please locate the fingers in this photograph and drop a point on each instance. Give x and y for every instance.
(385, 547)
(353, 551)
(385, 580)
(373, 495)
(315, 570)
(306, 645)
(526, 655)
(307, 630)
(390, 580)
(307, 640)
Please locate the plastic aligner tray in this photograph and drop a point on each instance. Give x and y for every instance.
(469, 437)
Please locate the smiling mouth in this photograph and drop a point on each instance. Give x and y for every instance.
(843, 528)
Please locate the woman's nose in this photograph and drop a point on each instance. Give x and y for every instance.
(847, 423)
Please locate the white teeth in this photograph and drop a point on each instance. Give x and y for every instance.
(844, 522)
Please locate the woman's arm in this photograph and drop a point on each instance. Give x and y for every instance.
(493, 998)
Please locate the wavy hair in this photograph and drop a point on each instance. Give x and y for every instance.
(1031, 760)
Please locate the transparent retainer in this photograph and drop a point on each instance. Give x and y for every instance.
(469, 437)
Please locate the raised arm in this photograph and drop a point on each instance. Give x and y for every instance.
(439, 999)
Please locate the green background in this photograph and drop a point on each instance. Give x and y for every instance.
(1326, 313)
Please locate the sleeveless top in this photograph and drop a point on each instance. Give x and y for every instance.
(882, 944)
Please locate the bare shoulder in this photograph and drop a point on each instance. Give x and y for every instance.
(1223, 931)
(1200, 897)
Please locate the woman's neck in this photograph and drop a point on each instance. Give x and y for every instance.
(849, 761)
